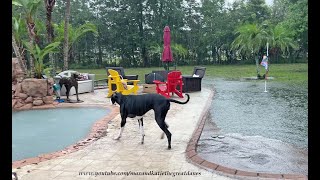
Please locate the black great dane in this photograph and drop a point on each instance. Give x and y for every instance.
(135, 106)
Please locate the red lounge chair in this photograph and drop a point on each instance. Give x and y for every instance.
(174, 80)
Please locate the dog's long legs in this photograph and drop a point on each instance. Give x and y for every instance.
(162, 134)
(14, 176)
(67, 91)
(140, 121)
(123, 122)
(76, 87)
(166, 131)
(160, 118)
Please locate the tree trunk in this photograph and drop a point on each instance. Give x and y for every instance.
(49, 4)
(31, 63)
(66, 38)
(32, 38)
(141, 34)
(99, 61)
(160, 22)
(79, 56)
(18, 54)
(71, 55)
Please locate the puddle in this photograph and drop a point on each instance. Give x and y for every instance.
(262, 131)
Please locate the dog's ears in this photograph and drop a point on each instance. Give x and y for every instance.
(116, 97)
(75, 75)
(113, 100)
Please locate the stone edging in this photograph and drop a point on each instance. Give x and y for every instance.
(98, 130)
(193, 157)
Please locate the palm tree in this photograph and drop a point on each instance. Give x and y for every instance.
(251, 38)
(178, 51)
(39, 54)
(74, 34)
(49, 4)
(17, 32)
(66, 39)
(18, 54)
(282, 41)
(30, 8)
(156, 50)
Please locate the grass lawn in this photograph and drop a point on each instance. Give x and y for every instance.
(287, 73)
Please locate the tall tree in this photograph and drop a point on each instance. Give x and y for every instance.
(74, 34)
(192, 28)
(18, 55)
(66, 39)
(17, 31)
(282, 41)
(279, 10)
(30, 8)
(251, 39)
(141, 33)
(49, 5)
(296, 20)
(215, 31)
(256, 11)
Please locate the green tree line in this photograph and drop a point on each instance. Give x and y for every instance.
(129, 33)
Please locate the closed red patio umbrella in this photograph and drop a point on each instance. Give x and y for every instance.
(166, 53)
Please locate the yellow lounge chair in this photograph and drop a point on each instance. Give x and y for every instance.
(121, 84)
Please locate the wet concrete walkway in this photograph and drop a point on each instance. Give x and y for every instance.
(264, 132)
(127, 155)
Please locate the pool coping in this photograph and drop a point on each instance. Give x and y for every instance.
(193, 157)
(98, 130)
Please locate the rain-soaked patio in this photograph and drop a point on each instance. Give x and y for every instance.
(105, 155)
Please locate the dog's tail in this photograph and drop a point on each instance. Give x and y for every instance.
(175, 101)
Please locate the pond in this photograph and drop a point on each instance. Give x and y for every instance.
(36, 132)
(253, 130)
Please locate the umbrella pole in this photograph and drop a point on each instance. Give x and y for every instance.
(167, 66)
(265, 78)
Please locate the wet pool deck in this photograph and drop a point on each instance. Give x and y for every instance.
(104, 155)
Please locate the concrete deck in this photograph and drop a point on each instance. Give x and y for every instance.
(127, 155)
(100, 157)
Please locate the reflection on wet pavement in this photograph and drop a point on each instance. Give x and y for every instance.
(259, 131)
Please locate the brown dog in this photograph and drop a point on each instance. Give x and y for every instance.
(70, 82)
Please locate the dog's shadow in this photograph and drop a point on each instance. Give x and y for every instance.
(71, 101)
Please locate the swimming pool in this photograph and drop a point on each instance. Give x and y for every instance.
(38, 132)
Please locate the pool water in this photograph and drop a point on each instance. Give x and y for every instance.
(36, 132)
